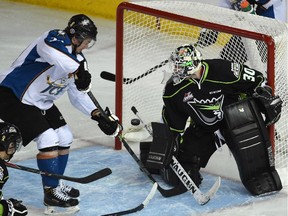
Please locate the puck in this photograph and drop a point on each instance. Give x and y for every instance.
(135, 122)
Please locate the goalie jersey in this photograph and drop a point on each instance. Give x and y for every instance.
(222, 82)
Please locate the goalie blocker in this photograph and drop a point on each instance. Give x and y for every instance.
(247, 138)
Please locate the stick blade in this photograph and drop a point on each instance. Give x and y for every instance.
(95, 176)
(214, 188)
(205, 198)
(107, 76)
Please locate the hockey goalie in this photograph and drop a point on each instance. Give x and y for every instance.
(226, 102)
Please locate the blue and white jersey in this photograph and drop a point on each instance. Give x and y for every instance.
(43, 72)
(269, 8)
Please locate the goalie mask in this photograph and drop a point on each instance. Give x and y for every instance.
(10, 139)
(185, 61)
(82, 27)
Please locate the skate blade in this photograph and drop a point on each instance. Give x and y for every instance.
(54, 210)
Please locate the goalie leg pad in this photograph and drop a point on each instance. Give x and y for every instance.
(144, 151)
(162, 148)
(248, 140)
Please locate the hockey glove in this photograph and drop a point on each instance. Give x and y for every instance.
(270, 105)
(13, 207)
(83, 77)
(109, 126)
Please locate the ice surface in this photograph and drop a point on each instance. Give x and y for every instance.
(127, 186)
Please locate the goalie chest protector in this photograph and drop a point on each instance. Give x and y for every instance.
(247, 138)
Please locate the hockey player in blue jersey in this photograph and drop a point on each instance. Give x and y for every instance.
(275, 9)
(50, 66)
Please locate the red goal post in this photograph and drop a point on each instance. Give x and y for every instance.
(148, 31)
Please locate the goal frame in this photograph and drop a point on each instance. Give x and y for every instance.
(267, 39)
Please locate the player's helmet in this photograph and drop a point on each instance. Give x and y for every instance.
(82, 27)
(10, 138)
(185, 60)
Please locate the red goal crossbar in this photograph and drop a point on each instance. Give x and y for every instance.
(125, 6)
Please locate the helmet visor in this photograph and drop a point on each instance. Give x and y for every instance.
(91, 43)
(87, 42)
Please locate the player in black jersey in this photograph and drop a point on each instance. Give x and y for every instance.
(10, 141)
(206, 91)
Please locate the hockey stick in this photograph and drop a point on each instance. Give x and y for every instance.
(182, 174)
(139, 207)
(111, 77)
(164, 192)
(84, 180)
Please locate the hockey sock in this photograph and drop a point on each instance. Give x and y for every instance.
(62, 163)
(49, 164)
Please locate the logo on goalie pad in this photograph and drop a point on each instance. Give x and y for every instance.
(271, 156)
(155, 158)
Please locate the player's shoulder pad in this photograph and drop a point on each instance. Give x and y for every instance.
(222, 70)
(57, 38)
(216, 62)
(171, 89)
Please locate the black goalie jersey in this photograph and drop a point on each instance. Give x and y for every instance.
(221, 83)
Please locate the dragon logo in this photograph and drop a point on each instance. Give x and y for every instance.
(209, 111)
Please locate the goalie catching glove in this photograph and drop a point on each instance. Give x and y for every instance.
(269, 105)
(110, 126)
(13, 207)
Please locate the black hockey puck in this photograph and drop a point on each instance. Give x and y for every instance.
(135, 122)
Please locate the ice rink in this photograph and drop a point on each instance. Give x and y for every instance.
(127, 186)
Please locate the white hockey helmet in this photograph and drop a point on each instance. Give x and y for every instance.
(185, 60)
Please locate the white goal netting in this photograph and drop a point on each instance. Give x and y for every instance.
(148, 31)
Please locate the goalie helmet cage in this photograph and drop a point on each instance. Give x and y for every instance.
(148, 31)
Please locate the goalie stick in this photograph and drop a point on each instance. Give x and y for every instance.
(164, 192)
(200, 197)
(112, 77)
(83, 180)
(139, 207)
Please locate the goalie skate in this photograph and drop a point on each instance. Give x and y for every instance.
(54, 210)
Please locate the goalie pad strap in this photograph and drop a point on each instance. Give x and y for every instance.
(248, 140)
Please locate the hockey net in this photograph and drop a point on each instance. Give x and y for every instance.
(147, 33)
